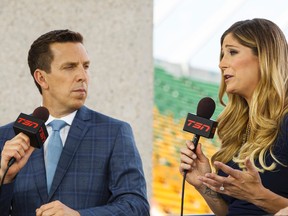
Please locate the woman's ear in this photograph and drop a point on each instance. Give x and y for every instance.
(40, 78)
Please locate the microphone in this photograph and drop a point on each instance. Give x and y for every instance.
(200, 124)
(33, 126)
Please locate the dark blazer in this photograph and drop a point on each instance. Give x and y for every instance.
(99, 171)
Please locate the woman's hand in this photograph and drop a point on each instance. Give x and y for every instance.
(195, 163)
(238, 184)
(283, 211)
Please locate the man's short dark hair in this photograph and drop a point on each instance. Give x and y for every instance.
(40, 55)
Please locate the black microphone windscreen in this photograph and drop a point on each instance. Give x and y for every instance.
(206, 107)
(41, 113)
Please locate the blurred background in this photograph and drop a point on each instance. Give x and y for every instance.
(186, 48)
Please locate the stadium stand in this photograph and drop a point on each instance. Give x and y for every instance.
(174, 97)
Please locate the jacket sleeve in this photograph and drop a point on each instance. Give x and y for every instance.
(6, 195)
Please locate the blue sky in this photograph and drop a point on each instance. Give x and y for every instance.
(189, 31)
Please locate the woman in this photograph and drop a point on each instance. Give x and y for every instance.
(251, 167)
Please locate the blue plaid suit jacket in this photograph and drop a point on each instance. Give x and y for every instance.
(99, 172)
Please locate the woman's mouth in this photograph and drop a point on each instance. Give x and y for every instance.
(227, 77)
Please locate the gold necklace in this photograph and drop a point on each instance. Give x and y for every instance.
(246, 134)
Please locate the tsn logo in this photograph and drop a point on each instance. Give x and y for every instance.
(28, 123)
(42, 135)
(198, 125)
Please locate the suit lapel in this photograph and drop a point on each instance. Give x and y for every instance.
(38, 166)
(76, 134)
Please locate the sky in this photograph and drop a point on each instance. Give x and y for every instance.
(189, 31)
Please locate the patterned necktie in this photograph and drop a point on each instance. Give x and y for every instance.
(54, 149)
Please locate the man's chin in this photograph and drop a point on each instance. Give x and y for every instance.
(78, 104)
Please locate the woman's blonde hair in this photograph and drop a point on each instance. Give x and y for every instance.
(269, 102)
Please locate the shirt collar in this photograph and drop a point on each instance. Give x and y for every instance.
(68, 119)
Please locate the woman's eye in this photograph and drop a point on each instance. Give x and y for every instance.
(233, 52)
(228, 52)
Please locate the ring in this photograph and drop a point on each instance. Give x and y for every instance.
(222, 188)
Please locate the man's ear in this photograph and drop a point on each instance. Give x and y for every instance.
(40, 78)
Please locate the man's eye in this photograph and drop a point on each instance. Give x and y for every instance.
(68, 67)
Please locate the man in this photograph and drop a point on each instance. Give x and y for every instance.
(99, 171)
